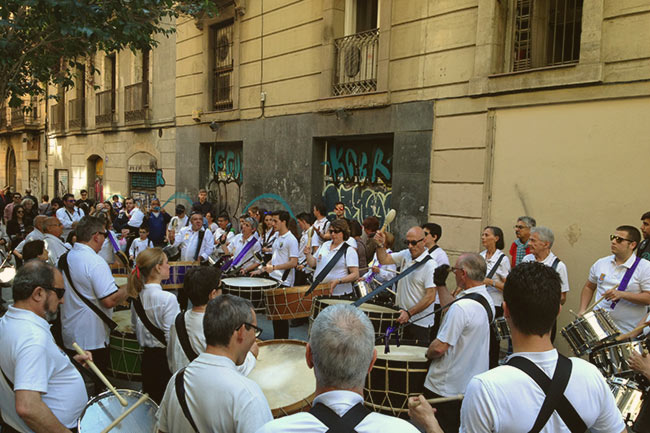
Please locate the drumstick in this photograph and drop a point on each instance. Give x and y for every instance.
(632, 332)
(119, 419)
(310, 234)
(387, 289)
(390, 216)
(384, 269)
(592, 306)
(438, 400)
(99, 374)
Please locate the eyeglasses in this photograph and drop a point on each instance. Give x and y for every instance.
(58, 290)
(70, 200)
(20, 211)
(618, 239)
(335, 231)
(105, 234)
(414, 243)
(258, 330)
(520, 227)
(426, 234)
(454, 269)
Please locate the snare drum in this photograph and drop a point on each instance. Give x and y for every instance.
(102, 410)
(125, 352)
(249, 288)
(628, 398)
(381, 317)
(589, 331)
(282, 373)
(501, 328)
(284, 303)
(361, 289)
(612, 359)
(177, 272)
(395, 377)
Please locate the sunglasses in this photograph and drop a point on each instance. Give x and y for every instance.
(71, 200)
(59, 291)
(335, 231)
(413, 243)
(618, 239)
(258, 330)
(105, 234)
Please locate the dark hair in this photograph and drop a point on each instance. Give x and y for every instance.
(436, 230)
(57, 201)
(645, 216)
(16, 209)
(115, 196)
(341, 224)
(33, 249)
(70, 238)
(83, 191)
(223, 316)
(225, 215)
(87, 227)
(282, 215)
(371, 223)
(633, 233)
(532, 293)
(17, 194)
(46, 197)
(30, 276)
(199, 282)
(306, 217)
(320, 207)
(496, 231)
(67, 196)
(355, 228)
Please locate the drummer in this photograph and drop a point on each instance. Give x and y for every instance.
(247, 263)
(346, 269)
(195, 242)
(626, 307)
(40, 390)
(341, 350)
(305, 222)
(381, 273)
(217, 397)
(641, 363)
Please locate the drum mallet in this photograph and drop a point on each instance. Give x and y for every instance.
(632, 332)
(119, 419)
(99, 374)
(387, 289)
(592, 306)
(438, 400)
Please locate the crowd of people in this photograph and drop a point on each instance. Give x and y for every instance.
(196, 360)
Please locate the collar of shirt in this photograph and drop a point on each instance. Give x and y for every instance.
(421, 256)
(628, 263)
(78, 246)
(521, 244)
(215, 360)
(474, 289)
(339, 401)
(30, 316)
(536, 357)
(153, 286)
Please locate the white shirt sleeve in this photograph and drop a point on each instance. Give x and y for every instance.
(32, 371)
(136, 218)
(64, 218)
(102, 281)
(351, 258)
(561, 269)
(207, 247)
(293, 247)
(452, 325)
(477, 413)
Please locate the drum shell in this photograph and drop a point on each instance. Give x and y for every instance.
(254, 293)
(590, 331)
(102, 409)
(125, 356)
(628, 397)
(612, 359)
(501, 328)
(361, 289)
(290, 302)
(176, 278)
(392, 381)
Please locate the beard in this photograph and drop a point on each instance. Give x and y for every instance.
(51, 316)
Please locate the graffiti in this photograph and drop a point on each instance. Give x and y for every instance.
(360, 201)
(227, 165)
(179, 196)
(272, 197)
(365, 165)
(226, 178)
(160, 180)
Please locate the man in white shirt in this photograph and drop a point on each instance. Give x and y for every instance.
(461, 348)
(187, 239)
(177, 222)
(320, 226)
(224, 232)
(217, 396)
(53, 243)
(626, 305)
(34, 235)
(507, 399)
(432, 234)
(92, 278)
(416, 291)
(40, 390)
(341, 350)
(69, 214)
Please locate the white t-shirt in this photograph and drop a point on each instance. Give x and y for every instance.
(219, 399)
(441, 258)
(218, 232)
(340, 270)
(500, 274)
(139, 245)
(33, 362)
(302, 244)
(34, 235)
(92, 277)
(322, 225)
(548, 261)
(606, 274)
(340, 402)
(137, 216)
(285, 247)
(161, 308)
(68, 218)
(412, 288)
(507, 400)
(466, 329)
(238, 243)
(385, 273)
(187, 240)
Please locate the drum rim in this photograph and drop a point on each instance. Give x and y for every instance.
(271, 282)
(128, 392)
(296, 289)
(340, 301)
(384, 356)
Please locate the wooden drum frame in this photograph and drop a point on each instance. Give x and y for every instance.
(285, 303)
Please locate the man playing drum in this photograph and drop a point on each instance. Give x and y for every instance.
(507, 398)
(341, 350)
(40, 390)
(214, 395)
(195, 242)
(247, 262)
(622, 279)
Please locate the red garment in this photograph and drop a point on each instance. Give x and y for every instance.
(513, 253)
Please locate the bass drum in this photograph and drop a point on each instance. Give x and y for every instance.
(104, 408)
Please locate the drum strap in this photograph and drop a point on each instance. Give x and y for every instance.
(63, 265)
(554, 390)
(180, 395)
(155, 331)
(337, 424)
(183, 337)
(198, 245)
(626, 278)
(495, 267)
(328, 267)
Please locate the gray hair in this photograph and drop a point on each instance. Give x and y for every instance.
(545, 234)
(31, 275)
(529, 221)
(87, 227)
(342, 343)
(223, 315)
(474, 265)
(25, 200)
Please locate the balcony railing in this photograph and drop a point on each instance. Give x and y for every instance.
(22, 116)
(136, 101)
(77, 113)
(356, 63)
(58, 117)
(3, 117)
(105, 107)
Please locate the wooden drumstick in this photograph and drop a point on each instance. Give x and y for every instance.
(438, 400)
(592, 306)
(387, 289)
(390, 216)
(126, 413)
(632, 332)
(310, 234)
(99, 374)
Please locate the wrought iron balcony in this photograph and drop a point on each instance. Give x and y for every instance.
(77, 113)
(57, 121)
(136, 102)
(24, 117)
(356, 63)
(3, 117)
(105, 107)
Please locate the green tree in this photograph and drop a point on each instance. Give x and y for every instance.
(42, 40)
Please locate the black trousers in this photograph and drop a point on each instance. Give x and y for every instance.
(6, 428)
(447, 414)
(419, 333)
(494, 342)
(280, 329)
(155, 372)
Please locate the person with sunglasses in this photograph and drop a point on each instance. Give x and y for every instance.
(40, 389)
(216, 396)
(623, 279)
(69, 214)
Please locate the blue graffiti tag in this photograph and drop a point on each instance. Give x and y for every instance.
(178, 195)
(227, 165)
(351, 164)
(160, 180)
(273, 197)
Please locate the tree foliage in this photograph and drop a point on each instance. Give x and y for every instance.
(41, 40)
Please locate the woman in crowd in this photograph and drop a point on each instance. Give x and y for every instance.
(18, 224)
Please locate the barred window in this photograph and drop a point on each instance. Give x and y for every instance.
(222, 41)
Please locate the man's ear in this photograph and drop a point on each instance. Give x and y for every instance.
(309, 357)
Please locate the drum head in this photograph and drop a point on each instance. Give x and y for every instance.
(402, 353)
(105, 407)
(123, 320)
(249, 282)
(7, 274)
(282, 373)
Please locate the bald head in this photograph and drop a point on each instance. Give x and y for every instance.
(415, 241)
(39, 221)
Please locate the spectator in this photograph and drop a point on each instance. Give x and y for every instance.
(57, 204)
(17, 225)
(35, 250)
(9, 208)
(202, 206)
(28, 194)
(117, 204)
(31, 210)
(45, 208)
(158, 219)
(520, 248)
(177, 222)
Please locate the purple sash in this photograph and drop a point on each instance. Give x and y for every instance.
(626, 279)
(241, 254)
(112, 239)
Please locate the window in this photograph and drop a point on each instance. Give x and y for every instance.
(222, 41)
(546, 33)
(136, 96)
(105, 99)
(76, 105)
